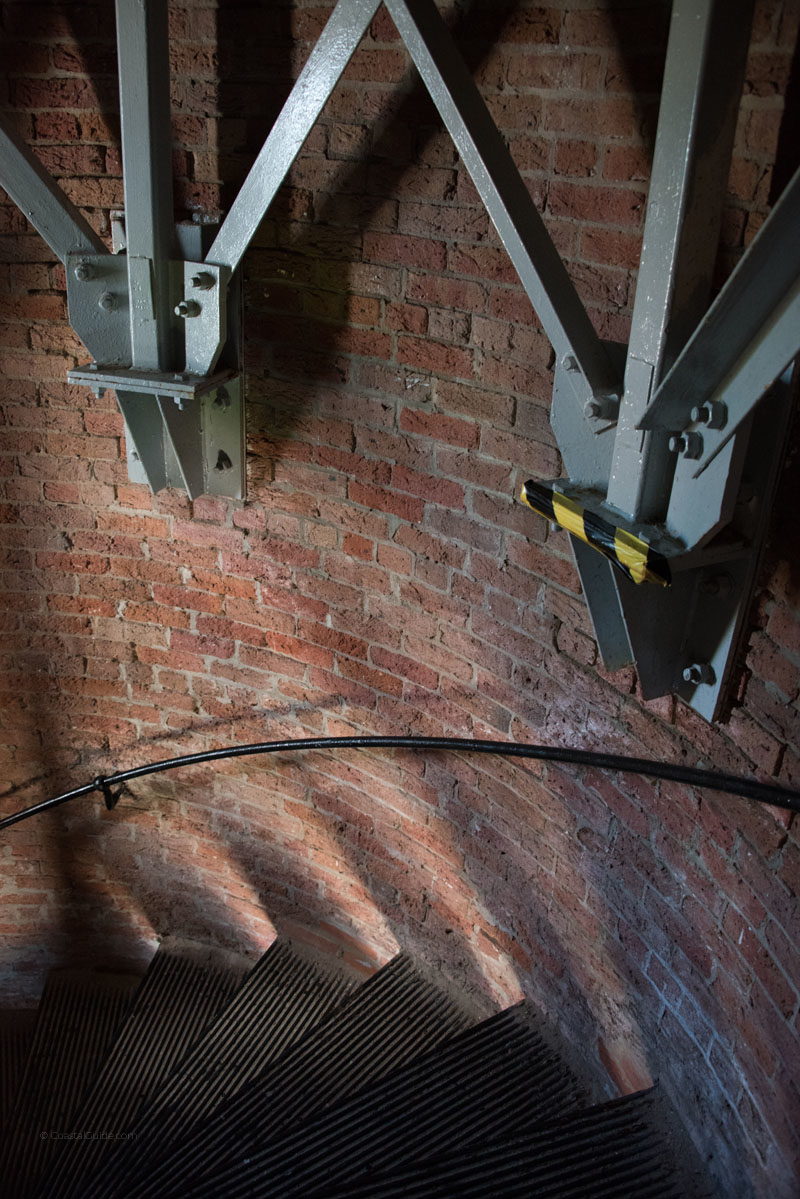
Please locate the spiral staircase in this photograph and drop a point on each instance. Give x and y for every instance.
(203, 1078)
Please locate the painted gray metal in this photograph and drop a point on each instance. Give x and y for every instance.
(42, 201)
(664, 633)
(772, 349)
(336, 45)
(196, 444)
(747, 338)
(503, 191)
(205, 286)
(142, 49)
(181, 387)
(722, 611)
(598, 579)
(97, 298)
(697, 118)
(586, 445)
(700, 508)
(148, 450)
(223, 447)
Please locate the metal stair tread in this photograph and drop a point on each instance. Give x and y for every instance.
(181, 993)
(296, 1083)
(610, 1149)
(80, 1014)
(16, 1037)
(395, 1016)
(497, 1075)
(283, 996)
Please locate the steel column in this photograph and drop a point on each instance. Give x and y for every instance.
(42, 201)
(338, 42)
(503, 191)
(142, 47)
(699, 103)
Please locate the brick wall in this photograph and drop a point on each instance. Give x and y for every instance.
(381, 577)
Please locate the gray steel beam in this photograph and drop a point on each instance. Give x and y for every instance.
(745, 341)
(42, 201)
(702, 84)
(334, 49)
(507, 199)
(143, 53)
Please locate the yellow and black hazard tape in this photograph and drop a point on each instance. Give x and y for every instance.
(636, 559)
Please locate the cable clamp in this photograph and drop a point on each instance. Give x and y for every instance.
(110, 796)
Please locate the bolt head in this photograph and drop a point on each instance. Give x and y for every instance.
(569, 362)
(187, 308)
(699, 672)
(107, 302)
(690, 445)
(203, 281)
(714, 414)
(693, 445)
(84, 271)
(592, 409)
(717, 586)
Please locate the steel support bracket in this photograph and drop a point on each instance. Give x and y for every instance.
(195, 444)
(203, 308)
(162, 325)
(674, 454)
(99, 310)
(686, 467)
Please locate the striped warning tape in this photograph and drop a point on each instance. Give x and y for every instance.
(636, 559)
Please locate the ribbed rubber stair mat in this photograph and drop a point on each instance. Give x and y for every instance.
(79, 1016)
(394, 1017)
(16, 1038)
(493, 1080)
(178, 998)
(283, 997)
(613, 1151)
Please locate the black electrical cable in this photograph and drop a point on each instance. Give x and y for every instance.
(768, 793)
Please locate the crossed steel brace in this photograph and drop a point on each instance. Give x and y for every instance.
(673, 443)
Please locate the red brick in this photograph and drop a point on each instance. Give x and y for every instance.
(435, 356)
(405, 507)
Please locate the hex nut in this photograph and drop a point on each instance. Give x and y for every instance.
(699, 672)
(187, 308)
(713, 414)
(688, 445)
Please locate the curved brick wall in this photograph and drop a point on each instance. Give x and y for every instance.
(380, 577)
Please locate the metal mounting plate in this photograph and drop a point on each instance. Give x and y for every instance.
(205, 286)
(197, 445)
(97, 298)
(179, 386)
